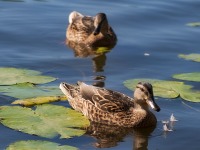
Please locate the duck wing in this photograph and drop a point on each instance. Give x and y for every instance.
(106, 100)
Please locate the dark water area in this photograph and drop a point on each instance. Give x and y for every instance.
(32, 36)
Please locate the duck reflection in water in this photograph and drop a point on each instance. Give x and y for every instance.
(109, 136)
(97, 55)
(91, 36)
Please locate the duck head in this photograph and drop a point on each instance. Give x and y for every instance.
(100, 23)
(143, 95)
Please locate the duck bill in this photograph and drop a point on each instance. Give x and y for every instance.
(151, 102)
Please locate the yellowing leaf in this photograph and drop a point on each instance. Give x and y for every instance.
(101, 50)
(39, 100)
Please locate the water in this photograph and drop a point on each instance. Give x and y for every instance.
(32, 35)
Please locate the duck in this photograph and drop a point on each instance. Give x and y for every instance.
(92, 31)
(110, 107)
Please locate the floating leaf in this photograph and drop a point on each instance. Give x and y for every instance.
(39, 100)
(101, 50)
(11, 76)
(168, 89)
(193, 57)
(46, 120)
(193, 24)
(38, 145)
(159, 90)
(190, 95)
(195, 76)
(29, 90)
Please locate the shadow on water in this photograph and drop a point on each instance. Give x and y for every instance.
(109, 136)
(97, 55)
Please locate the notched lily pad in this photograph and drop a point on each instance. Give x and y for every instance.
(29, 90)
(159, 90)
(194, 57)
(38, 145)
(11, 76)
(46, 120)
(168, 89)
(194, 76)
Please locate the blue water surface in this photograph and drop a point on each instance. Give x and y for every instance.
(32, 36)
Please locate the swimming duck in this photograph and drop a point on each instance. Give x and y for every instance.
(93, 31)
(113, 108)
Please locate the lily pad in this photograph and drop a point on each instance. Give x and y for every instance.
(193, 24)
(39, 100)
(46, 120)
(38, 145)
(159, 90)
(11, 76)
(193, 57)
(195, 76)
(29, 90)
(168, 89)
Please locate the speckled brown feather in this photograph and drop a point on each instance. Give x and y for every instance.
(107, 106)
(81, 30)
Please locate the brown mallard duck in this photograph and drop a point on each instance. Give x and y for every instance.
(93, 31)
(113, 108)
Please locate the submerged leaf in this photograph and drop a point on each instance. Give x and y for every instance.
(193, 24)
(11, 76)
(39, 100)
(28, 90)
(101, 50)
(193, 57)
(168, 89)
(38, 145)
(194, 76)
(46, 120)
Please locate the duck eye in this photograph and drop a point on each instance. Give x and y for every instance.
(142, 89)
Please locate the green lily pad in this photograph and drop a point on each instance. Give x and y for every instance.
(11, 76)
(193, 24)
(29, 90)
(168, 89)
(46, 120)
(159, 90)
(193, 57)
(38, 145)
(195, 76)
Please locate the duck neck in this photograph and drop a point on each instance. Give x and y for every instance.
(104, 28)
(138, 104)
